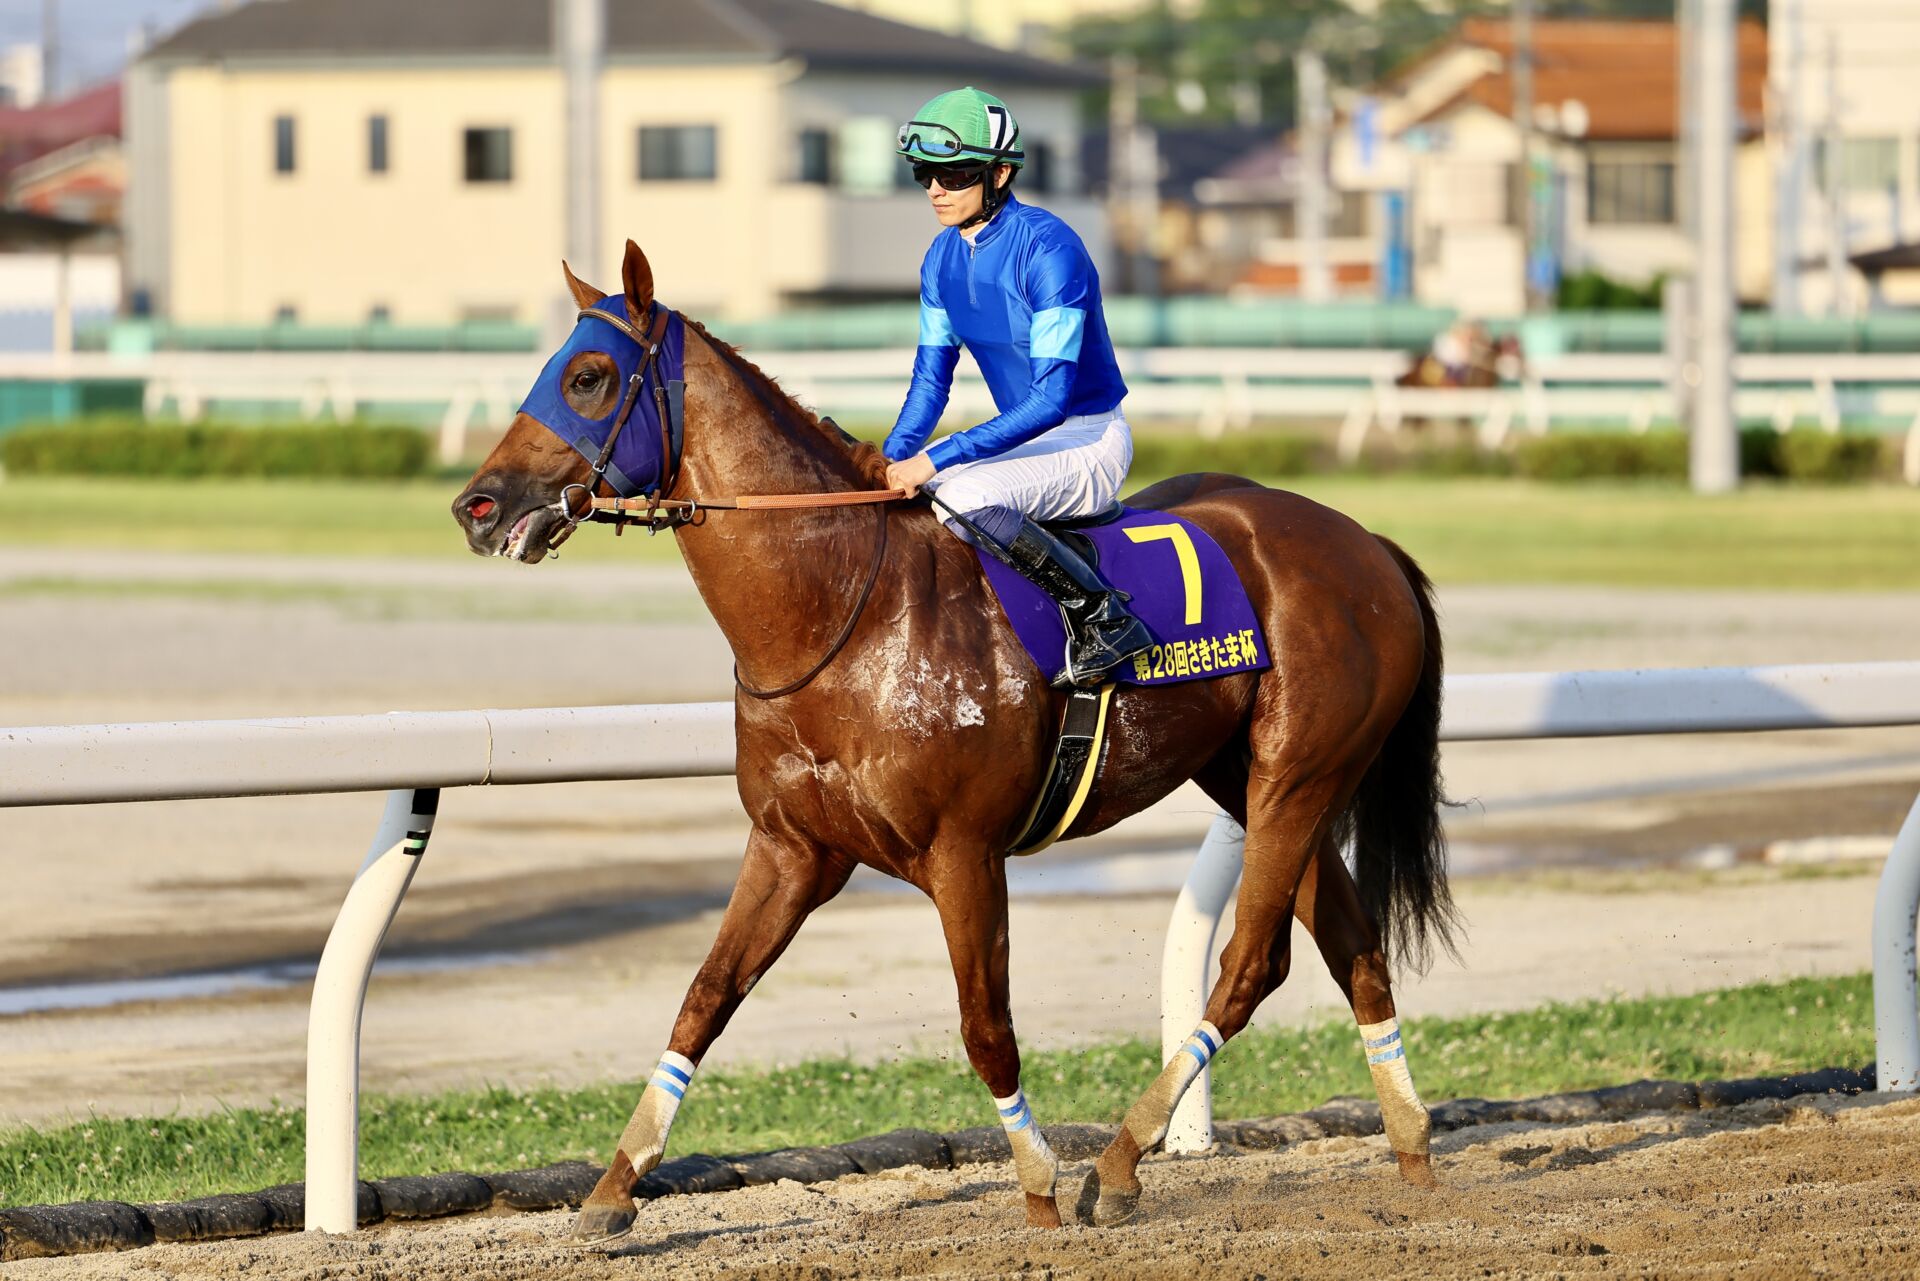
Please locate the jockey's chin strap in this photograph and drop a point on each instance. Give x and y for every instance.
(669, 404)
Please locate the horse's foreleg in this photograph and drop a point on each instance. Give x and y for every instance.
(781, 881)
(1255, 961)
(972, 901)
(1329, 906)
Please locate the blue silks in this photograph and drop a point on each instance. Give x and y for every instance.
(1024, 298)
(637, 465)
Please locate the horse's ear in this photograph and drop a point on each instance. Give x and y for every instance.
(637, 278)
(583, 293)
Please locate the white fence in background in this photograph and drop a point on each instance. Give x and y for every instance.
(1217, 389)
(414, 754)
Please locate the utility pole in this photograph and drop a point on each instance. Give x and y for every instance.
(1310, 204)
(579, 42)
(49, 50)
(1714, 455)
(1133, 178)
(1522, 191)
(1145, 168)
(1840, 296)
(1123, 109)
(1790, 168)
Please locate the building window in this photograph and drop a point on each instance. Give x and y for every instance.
(376, 144)
(1037, 175)
(283, 155)
(1866, 164)
(816, 156)
(489, 155)
(1630, 192)
(679, 153)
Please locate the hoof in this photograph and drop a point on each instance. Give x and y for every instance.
(1417, 1169)
(1103, 1207)
(602, 1224)
(1042, 1212)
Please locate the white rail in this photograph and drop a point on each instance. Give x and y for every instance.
(1217, 387)
(413, 755)
(1593, 704)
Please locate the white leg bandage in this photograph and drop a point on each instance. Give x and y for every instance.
(1401, 1111)
(1148, 1118)
(1033, 1161)
(645, 1138)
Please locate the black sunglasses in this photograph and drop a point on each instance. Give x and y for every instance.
(951, 177)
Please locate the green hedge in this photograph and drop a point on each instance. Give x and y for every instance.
(133, 448)
(1803, 454)
(1246, 453)
(1809, 454)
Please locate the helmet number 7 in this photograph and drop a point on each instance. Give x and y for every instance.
(999, 118)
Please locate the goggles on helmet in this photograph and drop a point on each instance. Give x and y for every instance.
(930, 139)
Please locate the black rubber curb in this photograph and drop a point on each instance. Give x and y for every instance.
(43, 1231)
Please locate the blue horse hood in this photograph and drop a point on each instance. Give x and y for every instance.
(638, 465)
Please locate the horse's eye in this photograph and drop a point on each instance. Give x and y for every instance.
(586, 380)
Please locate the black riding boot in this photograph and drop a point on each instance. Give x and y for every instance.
(1101, 632)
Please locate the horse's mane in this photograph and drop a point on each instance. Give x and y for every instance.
(868, 461)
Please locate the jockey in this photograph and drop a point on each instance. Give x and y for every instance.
(1015, 286)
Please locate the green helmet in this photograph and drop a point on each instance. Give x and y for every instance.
(960, 125)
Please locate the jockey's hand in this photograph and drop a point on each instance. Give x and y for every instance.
(910, 473)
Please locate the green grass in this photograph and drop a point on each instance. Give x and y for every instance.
(1809, 537)
(1751, 1031)
(372, 602)
(303, 518)
(1463, 530)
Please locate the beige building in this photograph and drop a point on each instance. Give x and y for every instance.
(340, 161)
(1438, 136)
(1032, 25)
(1845, 135)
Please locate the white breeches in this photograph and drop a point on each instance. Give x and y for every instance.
(1076, 469)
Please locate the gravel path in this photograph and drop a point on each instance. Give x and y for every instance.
(1782, 1189)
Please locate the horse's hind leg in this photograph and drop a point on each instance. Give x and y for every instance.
(970, 892)
(781, 881)
(1329, 906)
(1289, 820)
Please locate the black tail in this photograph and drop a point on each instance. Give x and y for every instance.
(1400, 850)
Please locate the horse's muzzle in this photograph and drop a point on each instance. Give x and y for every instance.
(497, 525)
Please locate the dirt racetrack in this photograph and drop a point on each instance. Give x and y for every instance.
(1776, 1189)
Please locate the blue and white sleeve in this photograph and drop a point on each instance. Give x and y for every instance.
(1060, 288)
(933, 363)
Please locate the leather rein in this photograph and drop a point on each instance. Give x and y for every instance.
(655, 511)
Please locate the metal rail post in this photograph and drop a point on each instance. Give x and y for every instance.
(339, 998)
(1186, 966)
(1896, 995)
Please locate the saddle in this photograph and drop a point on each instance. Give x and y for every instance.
(1187, 593)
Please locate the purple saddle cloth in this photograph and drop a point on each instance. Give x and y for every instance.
(1184, 589)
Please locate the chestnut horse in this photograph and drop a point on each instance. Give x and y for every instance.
(918, 748)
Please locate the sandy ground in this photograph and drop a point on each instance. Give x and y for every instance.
(605, 928)
(1807, 1188)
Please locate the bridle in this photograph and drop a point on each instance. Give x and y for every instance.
(656, 511)
(650, 338)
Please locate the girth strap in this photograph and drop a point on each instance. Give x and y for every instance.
(1076, 762)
